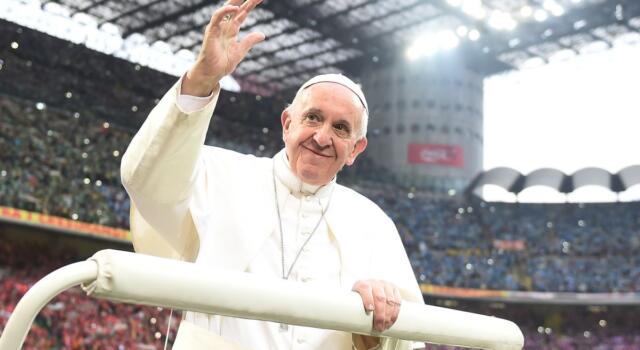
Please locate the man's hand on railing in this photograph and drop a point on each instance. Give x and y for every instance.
(381, 297)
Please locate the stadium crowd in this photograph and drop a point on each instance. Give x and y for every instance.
(61, 163)
(72, 320)
(540, 247)
(566, 327)
(67, 164)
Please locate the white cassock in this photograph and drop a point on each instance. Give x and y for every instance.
(218, 208)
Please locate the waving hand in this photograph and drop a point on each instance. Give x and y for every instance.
(221, 50)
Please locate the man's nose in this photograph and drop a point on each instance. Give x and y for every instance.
(322, 136)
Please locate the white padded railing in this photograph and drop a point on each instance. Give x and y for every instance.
(142, 279)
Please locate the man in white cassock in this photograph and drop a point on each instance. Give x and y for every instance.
(281, 217)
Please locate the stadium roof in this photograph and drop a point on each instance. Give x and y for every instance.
(515, 182)
(307, 37)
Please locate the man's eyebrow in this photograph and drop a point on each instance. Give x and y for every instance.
(318, 111)
(314, 111)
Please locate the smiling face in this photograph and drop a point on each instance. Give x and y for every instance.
(322, 131)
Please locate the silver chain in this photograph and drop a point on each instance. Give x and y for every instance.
(275, 191)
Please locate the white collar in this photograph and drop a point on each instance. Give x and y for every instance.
(295, 186)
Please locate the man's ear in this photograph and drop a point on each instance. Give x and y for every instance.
(358, 148)
(285, 120)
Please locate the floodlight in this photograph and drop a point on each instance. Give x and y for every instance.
(540, 15)
(579, 24)
(413, 53)
(462, 30)
(110, 28)
(429, 44)
(562, 55)
(135, 39)
(230, 84)
(558, 11)
(162, 47)
(526, 11)
(136, 49)
(56, 9)
(496, 19)
(448, 40)
(186, 55)
(532, 63)
(474, 8)
(510, 24)
(502, 21)
(162, 57)
(25, 13)
(86, 20)
(553, 7)
(474, 35)
(549, 4)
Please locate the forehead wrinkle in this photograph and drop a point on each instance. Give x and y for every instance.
(314, 110)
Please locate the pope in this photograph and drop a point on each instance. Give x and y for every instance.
(282, 217)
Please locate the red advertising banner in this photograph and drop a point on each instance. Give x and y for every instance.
(462, 292)
(63, 223)
(506, 244)
(429, 153)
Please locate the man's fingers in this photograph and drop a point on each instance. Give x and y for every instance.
(398, 299)
(234, 2)
(366, 293)
(386, 301)
(380, 311)
(245, 9)
(392, 306)
(220, 14)
(250, 41)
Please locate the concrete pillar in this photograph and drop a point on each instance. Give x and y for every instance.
(426, 122)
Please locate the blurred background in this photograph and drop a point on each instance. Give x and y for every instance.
(503, 142)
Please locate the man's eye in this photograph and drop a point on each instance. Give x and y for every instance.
(342, 128)
(313, 118)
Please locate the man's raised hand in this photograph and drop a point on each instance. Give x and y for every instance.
(221, 49)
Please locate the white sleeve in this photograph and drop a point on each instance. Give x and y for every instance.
(161, 164)
(189, 104)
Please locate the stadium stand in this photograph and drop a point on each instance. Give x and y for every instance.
(563, 327)
(60, 156)
(55, 162)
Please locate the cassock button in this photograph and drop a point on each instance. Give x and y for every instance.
(301, 340)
